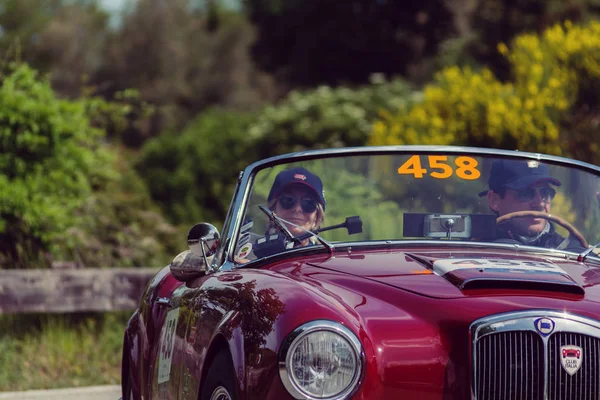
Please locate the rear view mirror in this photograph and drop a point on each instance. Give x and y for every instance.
(187, 266)
(354, 225)
(203, 240)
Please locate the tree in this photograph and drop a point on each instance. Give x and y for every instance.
(332, 42)
(22, 22)
(182, 60)
(71, 46)
(65, 39)
(325, 116)
(485, 23)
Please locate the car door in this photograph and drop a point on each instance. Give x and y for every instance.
(186, 333)
(167, 362)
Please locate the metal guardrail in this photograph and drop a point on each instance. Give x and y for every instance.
(72, 290)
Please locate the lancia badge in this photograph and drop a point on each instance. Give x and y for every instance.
(571, 358)
(544, 326)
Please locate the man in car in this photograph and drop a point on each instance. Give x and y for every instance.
(520, 185)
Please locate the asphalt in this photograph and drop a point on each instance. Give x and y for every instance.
(85, 393)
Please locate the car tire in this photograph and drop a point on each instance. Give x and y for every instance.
(128, 390)
(220, 379)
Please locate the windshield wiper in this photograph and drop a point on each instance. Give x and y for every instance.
(583, 255)
(280, 224)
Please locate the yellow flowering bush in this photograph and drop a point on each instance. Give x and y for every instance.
(467, 107)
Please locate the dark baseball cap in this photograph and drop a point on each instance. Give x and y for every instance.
(299, 176)
(517, 174)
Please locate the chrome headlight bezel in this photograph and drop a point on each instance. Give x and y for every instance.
(303, 331)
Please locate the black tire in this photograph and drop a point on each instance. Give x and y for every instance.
(127, 391)
(220, 379)
(126, 387)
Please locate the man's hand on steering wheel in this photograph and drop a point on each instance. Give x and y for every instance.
(573, 232)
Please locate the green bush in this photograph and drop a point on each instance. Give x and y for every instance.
(65, 194)
(50, 160)
(119, 226)
(326, 116)
(495, 21)
(192, 175)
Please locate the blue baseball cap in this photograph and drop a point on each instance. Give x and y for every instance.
(517, 174)
(299, 176)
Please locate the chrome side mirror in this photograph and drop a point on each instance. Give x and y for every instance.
(203, 240)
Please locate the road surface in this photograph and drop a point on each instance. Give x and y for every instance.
(87, 393)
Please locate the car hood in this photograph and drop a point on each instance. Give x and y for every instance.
(455, 274)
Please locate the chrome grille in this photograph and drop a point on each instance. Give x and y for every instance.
(585, 384)
(519, 356)
(510, 365)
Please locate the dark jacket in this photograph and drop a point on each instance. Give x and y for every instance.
(549, 240)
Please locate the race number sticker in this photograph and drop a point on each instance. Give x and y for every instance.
(440, 168)
(244, 250)
(496, 265)
(167, 342)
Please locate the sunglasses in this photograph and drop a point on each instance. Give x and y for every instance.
(528, 194)
(308, 205)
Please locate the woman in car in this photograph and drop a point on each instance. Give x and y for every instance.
(297, 198)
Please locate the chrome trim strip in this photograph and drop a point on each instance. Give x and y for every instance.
(522, 321)
(306, 329)
(239, 208)
(546, 365)
(440, 247)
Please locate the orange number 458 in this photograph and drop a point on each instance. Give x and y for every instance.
(466, 167)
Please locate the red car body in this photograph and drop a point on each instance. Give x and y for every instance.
(571, 353)
(373, 292)
(416, 326)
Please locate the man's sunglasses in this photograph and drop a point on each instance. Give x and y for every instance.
(528, 194)
(308, 205)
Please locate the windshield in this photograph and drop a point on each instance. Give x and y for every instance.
(472, 197)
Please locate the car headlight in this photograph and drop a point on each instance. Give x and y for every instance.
(321, 360)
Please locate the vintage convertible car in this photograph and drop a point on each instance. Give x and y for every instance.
(437, 273)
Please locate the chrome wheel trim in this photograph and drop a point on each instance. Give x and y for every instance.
(220, 393)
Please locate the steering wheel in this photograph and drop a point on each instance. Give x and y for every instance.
(573, 232)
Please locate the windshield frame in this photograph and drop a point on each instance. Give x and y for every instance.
(241, 198)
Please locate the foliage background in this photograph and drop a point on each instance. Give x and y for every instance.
(177, 97)
(119, 132)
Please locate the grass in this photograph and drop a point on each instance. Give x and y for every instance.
(40, 351)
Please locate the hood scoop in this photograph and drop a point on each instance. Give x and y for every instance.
(498, 273)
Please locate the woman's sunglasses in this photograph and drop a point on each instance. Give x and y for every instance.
(308, 205)
(528, 194)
